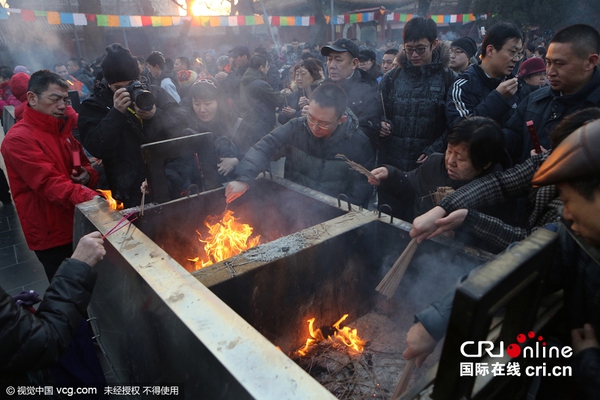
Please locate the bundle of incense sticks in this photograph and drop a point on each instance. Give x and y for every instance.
(125, 221)
(390, 282)
(403, 384)
(355, 166)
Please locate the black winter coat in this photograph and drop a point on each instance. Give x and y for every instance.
(415, 99)
(474, 94)
(231, 87)
(32, 342)
(259, 101)
(312, 162)
(364, 101)
(116, 138)
(546, 108)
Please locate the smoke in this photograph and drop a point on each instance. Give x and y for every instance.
(34, 44)
(434, 270)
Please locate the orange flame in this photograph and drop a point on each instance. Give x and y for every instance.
(345, 335)
(227, 238)
(112, 203)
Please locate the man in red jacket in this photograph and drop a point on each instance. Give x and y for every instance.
(47, 170)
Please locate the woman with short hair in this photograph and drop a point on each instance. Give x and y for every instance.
(307, 75)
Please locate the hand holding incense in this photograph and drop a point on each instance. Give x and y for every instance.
(357, 167)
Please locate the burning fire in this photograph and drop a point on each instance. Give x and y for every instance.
(345, 335)
(227, 238)
(112, 203)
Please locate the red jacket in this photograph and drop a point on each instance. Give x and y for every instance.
(6, 96)
(38, 153)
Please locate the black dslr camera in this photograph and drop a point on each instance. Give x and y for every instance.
(141, 96)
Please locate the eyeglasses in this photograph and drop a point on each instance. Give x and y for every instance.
(211, 83)
(311, 121)
(55, 100)
(515, 55)
(419, 50)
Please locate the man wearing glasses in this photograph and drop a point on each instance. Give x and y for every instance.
(489, 89)
(414, 95)
(311, 144)
(47, 169)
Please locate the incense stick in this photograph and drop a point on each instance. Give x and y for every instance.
(120, 225)
(357, 167)
(142, 205)
(390, 282)
(404, 379)
(383, 105)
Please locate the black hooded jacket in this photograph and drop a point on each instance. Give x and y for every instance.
(116, 138)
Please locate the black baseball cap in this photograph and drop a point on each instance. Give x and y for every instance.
(366, 55)
(341, 46)
(240, 50)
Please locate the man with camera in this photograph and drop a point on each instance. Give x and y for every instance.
(122, 114)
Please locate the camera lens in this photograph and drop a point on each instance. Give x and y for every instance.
(144, 100)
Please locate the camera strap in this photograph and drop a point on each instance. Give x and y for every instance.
(131, 110)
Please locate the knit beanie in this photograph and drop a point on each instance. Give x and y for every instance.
(119, 65)
(467, 44)
(19, 85)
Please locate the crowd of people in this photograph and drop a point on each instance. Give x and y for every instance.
(425, 116)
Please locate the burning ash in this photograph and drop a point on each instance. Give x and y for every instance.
(268, 252)
(112, 203)
(345, 335)
(373, 372)
(227, 238)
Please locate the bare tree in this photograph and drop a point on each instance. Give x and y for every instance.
(423, 9)
(463, 6)
(92, 33)
(318, 31)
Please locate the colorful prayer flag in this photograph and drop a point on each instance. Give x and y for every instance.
(79, 19)
(102, 19)
(135, 20)
(66, 18)
(27, 15)
(125, 21)
(113, 20)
